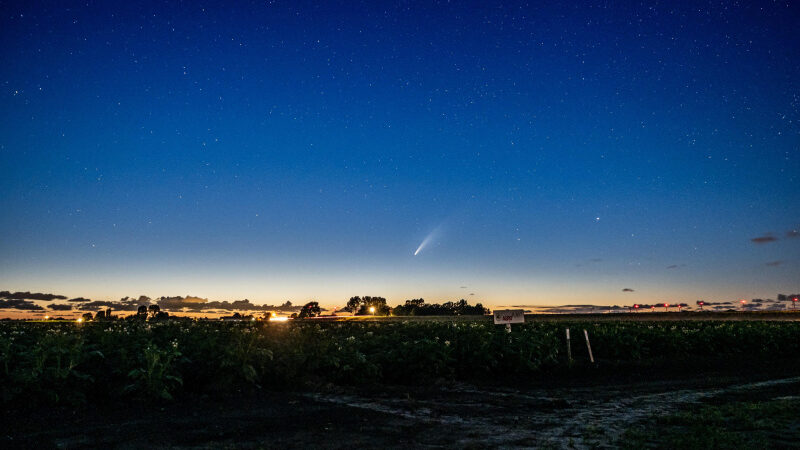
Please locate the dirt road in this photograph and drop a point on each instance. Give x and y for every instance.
(461, 416)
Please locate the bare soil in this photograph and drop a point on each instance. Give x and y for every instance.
(554, 414)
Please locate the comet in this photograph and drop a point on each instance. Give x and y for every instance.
(428, 239)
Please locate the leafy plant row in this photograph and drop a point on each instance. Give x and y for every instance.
(47, 363)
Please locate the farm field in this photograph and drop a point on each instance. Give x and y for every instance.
(422, 382)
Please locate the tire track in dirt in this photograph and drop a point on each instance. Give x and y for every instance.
(554, 418)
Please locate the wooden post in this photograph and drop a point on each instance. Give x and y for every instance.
(569, 348)
(588, 345)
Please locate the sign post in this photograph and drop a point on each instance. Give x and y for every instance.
(588, 346)
(569, 349)
(508, 316)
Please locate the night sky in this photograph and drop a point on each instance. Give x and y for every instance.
(290, 151)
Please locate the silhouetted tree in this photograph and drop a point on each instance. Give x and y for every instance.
(310, 309)
(367, 302)
(418, 307)
(100, 315)
(154, 310)
(353, 304)
(141, 311)
(87, 316)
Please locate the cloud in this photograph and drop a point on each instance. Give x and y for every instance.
(178, 303)
(188, 303)
(59, 307)
(675, 266)
(97, 305)
(30, 296)
(774, 263)
(191, 303)
(775, 307)
(764, 239)
(573, 309)
(17, 303)
(627, 290)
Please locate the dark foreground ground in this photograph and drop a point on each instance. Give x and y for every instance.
(760, 409)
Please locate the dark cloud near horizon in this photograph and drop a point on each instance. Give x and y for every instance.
(21, 304)
(124, 304)
(190, 303)
(30, 296)
(627, 290)
(582, 309)
(98, 305)
(773, 263)
(60, 307)
(180, 304)
(751, 305)
(776, 307)
(79, 300)
(764, 239)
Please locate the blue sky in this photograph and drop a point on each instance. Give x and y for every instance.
(290, 151)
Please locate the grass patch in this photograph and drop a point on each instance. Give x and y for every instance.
(735, 425)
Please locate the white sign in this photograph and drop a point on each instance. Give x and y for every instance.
(502, 316)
